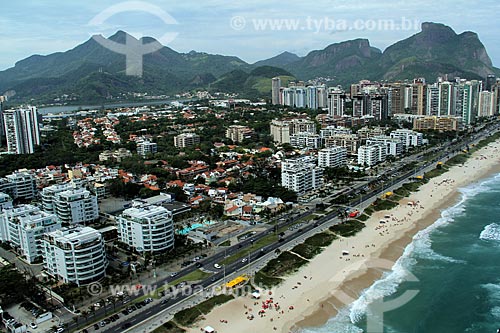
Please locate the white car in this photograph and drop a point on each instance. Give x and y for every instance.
(244, 260)
(217, 266)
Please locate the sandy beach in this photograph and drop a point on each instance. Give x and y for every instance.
(331, 280)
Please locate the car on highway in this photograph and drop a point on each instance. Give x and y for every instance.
(174, 274)
(217, 266)
(244, 260)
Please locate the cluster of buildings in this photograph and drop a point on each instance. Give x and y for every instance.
(302, 133)
(458, 99)
(332, 147)
(88, 128)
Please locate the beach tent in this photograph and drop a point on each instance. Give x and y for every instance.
(345, 253)
(209, 329)
(256, 295)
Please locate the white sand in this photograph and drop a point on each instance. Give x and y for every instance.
(318, 282)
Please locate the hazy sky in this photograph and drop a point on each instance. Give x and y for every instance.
(227, 27)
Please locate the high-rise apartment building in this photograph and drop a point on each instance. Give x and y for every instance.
(336, 102)
(333, 157)
(23, 227)
(147, 228)
(74, 255)
(301, 175)
(186, 140)
(276, 91)
(21, 130)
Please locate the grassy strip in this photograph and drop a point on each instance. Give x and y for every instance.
(307, 251)
(286, 263)
(265, 281)
(189, 316)
(384, 204)
(263, 242)
(363, 217)
(226, 243)
(196, 275)
(347, 229)
(323, 239)
(169, 327)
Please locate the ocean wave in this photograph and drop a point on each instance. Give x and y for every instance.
(420, 247)
(495, 312)
(491, 232)
(340, 323)
(493, 291)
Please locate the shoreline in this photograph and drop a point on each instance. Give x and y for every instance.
(331, 281)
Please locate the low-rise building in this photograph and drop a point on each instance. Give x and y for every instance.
(394, 146)
(350, 142)
(19, 185)
(238, 133)
(74, 255)
(443, 124)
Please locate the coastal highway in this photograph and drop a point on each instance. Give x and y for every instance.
(135, 318)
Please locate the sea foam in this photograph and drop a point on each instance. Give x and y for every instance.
(491, 232)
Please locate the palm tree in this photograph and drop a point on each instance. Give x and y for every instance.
(85, 314)
(113, 300)
(92, 309)
(102, 303)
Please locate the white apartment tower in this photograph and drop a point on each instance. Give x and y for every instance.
(147, 228)
(333, 157)
(22, 130)
(23, 227)
(301, 175)
(75, 255)
(72, 206)
(371, 155)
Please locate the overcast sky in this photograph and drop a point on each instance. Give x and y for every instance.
(227, 27)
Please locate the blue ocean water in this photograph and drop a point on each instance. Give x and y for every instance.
(454, 265)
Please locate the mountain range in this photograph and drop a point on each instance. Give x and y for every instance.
(93, 73)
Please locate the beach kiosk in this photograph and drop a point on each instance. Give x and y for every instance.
(209, 329)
